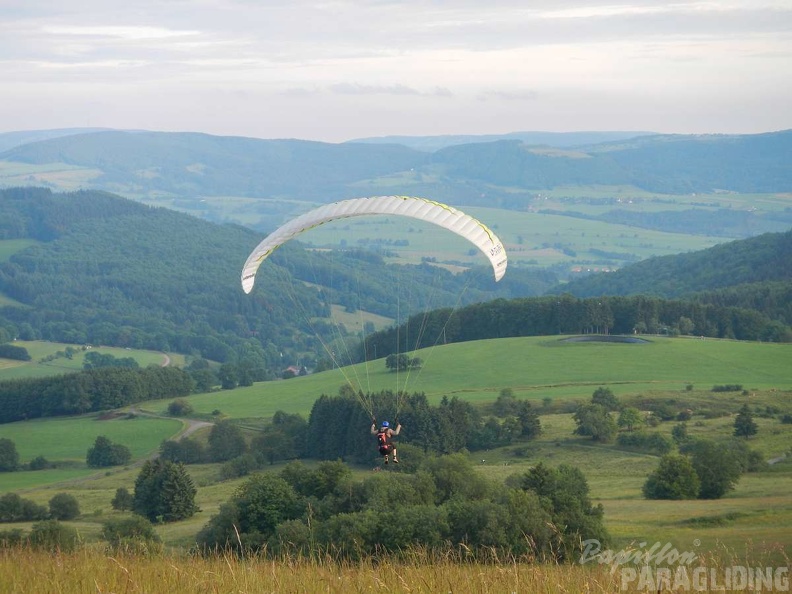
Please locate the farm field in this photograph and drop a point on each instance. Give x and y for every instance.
(51, 358)
(529, 237)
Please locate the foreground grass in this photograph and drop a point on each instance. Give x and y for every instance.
(91, 570)
(87, 571)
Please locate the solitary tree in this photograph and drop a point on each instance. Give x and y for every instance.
(64, 507)
(679, 433)
(630, 418)
(164, 492)
(596, 421)
(106, 453)
(123, 500)
(605, 398)
(506, 403)
(9, 457)
(674, 478)
(744, 425)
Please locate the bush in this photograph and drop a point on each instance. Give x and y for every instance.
(123, 500)
(728, 388)
(652, 442)
(14, 508)
(11, 538)
(186, 451)
(53, 536)
(179, 408)
(39, 463)
(17, 353)
(240, 466)
(133, 534)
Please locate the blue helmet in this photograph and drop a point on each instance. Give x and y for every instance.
(385, 424)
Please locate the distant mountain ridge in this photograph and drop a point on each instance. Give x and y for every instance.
(554, 139)
(480, 173)
(9, 140)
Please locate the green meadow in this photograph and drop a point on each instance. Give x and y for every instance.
(533, 367)
(51, 358)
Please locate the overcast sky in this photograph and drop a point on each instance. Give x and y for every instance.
(340, 69)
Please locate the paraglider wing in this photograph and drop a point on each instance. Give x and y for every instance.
(419, 208)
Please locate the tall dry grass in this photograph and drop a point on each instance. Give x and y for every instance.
(25, 571)
(92, 569)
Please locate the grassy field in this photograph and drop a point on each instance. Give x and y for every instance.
(750, 522)
(528, 236)
(533, 367)
(66, 441)
(50, 358)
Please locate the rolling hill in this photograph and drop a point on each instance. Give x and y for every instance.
(762, 259)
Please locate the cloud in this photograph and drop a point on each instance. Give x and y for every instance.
(358, 89)
(434, 62)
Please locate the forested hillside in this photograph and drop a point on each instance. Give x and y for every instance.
(111, 271)
(763, 259)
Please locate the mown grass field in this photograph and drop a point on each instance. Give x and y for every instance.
(533, 367)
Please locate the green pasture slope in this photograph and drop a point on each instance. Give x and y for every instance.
(533, 367)
(41, 349)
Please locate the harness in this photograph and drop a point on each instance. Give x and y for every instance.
(383, 441)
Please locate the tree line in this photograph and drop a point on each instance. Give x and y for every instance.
(338, 429)
(565, 314)
(89, 391)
